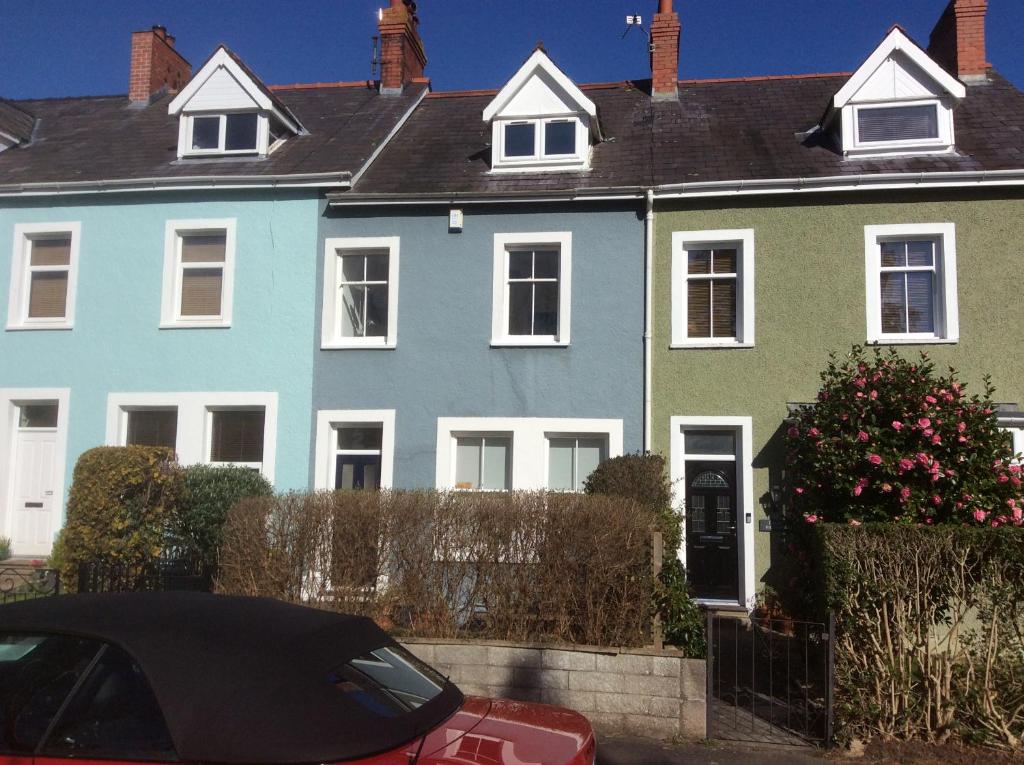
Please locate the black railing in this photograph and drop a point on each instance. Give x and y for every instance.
(162, 575)
(28, 582)
(770, 680)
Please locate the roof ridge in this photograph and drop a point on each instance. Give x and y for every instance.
(318, 85)
(763, 77)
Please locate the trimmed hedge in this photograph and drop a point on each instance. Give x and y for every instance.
(930, 631)
(123, 502)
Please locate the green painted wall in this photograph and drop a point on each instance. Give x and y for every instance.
(809, 287)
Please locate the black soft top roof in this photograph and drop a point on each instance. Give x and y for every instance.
(240, 680)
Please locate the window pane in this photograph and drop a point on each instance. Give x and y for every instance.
(560, 464)
(898, 123)
(698, 262)
(519, 140)
(48, 295)
(37, 416)
(894, 316)
(51, 252)
(377, 267)
(237, 436)
(545, 308)
(497, 454)
(894, 254)
(546, 264)
(520, 308)
(724, 261)
(920, 297)
(352, 311)
(241, 132)
(723, 308)
(388, 681)
(205, 132)
(589, 453)
(377, 310)
(37, 672)
(357, 471)
(921, 253)
(698, 309)
(153, 427)
(360, 437)
(520, 264)
(710, 442)
(203, 248)
(112, 715)
(353, 268)
(560, 137)
(201, 291)
(467, 462)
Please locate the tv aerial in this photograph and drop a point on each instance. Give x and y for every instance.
(636, 20)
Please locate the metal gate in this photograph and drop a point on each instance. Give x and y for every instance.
(770, 680)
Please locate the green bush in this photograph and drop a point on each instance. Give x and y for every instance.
(209, 493)
(890, 439)
(642, 478)
(123, 503)
(5, 548)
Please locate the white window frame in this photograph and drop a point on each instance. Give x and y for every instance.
(574, 435)
(186, 127)
(529, 443)
(330, 318)
(947, 323)
(170, 306)
(327, 423)
(540, 159)
(500, 292)
(853, 146)
(11, 400)
(682, 243)
(21, 275)
(743, 427)
(1014, 425)
(195, 422)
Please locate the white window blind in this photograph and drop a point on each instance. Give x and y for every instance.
(898, 123)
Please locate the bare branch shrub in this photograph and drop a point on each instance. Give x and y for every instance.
(525, 566)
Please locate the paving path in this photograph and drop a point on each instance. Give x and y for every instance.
(623, 751)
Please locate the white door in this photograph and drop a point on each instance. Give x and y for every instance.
(34, 491)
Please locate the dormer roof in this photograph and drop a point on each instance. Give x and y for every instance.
(16, 124)
(898, 69)
(225, 82)
(539, 87)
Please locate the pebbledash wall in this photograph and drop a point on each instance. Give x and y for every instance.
(117, 345)
(810, 299)
(443, 364)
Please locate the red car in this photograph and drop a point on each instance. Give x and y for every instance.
(196, 678)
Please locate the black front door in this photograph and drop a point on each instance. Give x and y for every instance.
(712, 552)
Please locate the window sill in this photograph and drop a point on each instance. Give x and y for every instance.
(525, 342)
(195, 325)
(910, 340)
(345, 346)
(714, 604)
(38, 327)
(708, 344)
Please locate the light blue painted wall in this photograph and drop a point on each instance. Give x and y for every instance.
(116, 345)
(443, 365)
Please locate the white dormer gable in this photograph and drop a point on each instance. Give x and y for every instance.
(224, 110)
(541, 120)
(898, 102)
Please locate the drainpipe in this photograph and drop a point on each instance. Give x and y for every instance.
(648, 311)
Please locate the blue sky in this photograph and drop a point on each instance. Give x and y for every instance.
(470, 43)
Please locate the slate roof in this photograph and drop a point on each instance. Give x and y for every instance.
(15, 122)
(718, 130)
(106, 138)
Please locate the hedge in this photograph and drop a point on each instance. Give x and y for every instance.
(525, 566)
(930, 631)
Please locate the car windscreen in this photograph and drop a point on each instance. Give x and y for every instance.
(387, 681)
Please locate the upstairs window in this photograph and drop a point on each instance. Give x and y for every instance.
(198, 273)
(360, 300)
(531, 289)
(43, 275)
(540, 140)
(224, 133)
(897, 123)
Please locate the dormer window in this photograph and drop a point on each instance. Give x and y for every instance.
(540, 120)
(898, 102)
(226, 111)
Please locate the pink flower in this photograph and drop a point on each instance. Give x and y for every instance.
(854, 522)
(862, 436)
(860, 382)
(897, 425)
(1003, 478)
(906, 464)
(799, 489)
(860, 394)
(886, 487)
(904, 494)
(931, 399)
(961, 427)
(1018, 516)
(873, 395)
(792, 432)
(936, 439)
(927, 432)
(924, 422)
(1014, 480)
(1014, 468)
(961, 440)
(936, 500)
(923, 458)
(1011, 502)
(979, 515)
(814, 432)
(811, 518)
(875, 459)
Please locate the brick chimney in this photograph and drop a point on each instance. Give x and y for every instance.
(958, 40)
(155, 66)
(665, 52)
(402, 59)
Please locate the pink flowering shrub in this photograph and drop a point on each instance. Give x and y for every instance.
(889, 439)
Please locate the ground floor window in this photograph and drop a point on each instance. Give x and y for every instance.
(354, 449)
(483, 463)
(571, 460)
(152, 427)
(357, 459)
